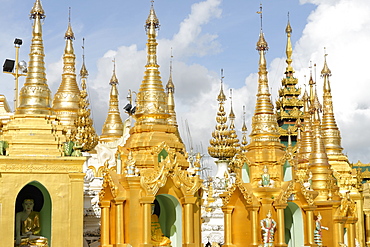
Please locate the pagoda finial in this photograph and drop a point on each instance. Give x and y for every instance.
(69, 33)
(83, 72)
(289, 49)
(34, 101)
(114, 79)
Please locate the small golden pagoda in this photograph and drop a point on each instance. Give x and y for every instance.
(113, 125)
(155, 200)
(34, 169)
(66, 99)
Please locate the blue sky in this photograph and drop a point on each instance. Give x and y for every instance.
(206, 36)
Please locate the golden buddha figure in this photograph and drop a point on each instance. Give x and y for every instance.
(27, 226)
(158, 238)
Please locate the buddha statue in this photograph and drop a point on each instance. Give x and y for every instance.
(27, 226)
(158, 238)
(266, 181)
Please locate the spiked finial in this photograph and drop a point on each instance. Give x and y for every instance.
(69, 33)
(289, 49)
(83, 72)
(114, 79)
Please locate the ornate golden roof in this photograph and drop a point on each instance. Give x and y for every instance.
(330, 130)
(152, 127)
(113, 125)
(84, 133)
(221, 144)
(66, 99)
(35, 95)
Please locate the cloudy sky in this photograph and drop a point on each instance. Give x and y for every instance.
(205, 36)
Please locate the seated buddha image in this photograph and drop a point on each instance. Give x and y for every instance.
(27, 226)
(157, 236)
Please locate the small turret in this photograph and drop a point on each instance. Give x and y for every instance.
(113, 125)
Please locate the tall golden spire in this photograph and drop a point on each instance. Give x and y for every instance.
(322, 174)
(35, 95)
(221, 146)
(265, 147)
(170, 89)
(330, 130)
(152, 127)
(113, 125)
(289, 48)
(84, 133)
(264, 123)
(66, 99)
(151, 105)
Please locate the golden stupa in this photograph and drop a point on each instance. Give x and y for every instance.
(33, 166)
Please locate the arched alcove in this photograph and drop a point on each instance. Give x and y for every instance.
(170, 218)
(293, 220)
(42, 204)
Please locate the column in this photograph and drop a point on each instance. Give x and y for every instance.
(227, 225)
(119, 223)
(189, 221)
(255, 225)
(280, 238)
(104, 228)
(146, 204)
(351, 234)
(147, 208)
(309, 238)
(367, 227)
(338, 231)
